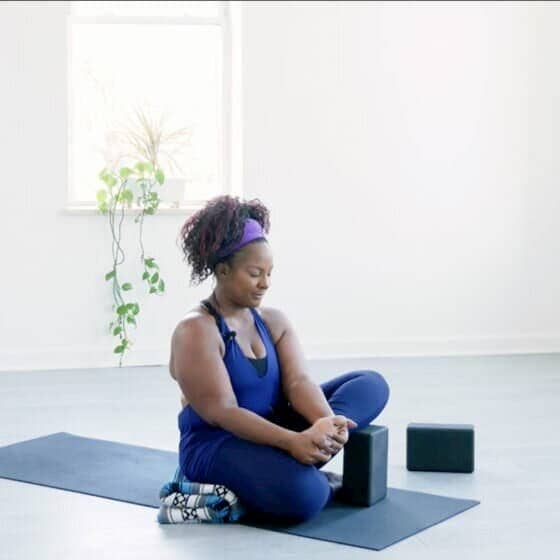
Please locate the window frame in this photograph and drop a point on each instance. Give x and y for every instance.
(229, 15)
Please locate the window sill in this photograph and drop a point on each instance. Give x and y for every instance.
(163, 209)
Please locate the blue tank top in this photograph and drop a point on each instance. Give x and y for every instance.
(256, 388)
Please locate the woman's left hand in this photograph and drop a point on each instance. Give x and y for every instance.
(335, 432)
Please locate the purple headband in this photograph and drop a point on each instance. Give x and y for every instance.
(252, 230)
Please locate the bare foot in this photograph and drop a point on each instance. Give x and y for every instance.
(334, 480)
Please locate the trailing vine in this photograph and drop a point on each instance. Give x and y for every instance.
(111, 201)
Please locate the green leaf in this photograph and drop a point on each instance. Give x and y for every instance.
(109, 180)
(101, 195)
(118, 349)
(131, 320)
(127, 286)
(154, 278)
(136, 309)
(160, 177)
(117, 330)
(110, 275)
(127, 195)
(121, 309)
(125, 172)
(153, 289)
(161, 284)
(145, 275)
(150, 263)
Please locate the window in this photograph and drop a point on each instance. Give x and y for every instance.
(175, 63)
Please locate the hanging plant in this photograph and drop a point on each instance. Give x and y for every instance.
(112, 200)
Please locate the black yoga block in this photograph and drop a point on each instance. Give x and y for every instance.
(364, 476)
(440, 447)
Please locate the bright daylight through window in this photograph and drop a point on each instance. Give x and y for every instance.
(165, 59)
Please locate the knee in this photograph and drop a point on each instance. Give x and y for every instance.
(374, 392)
(376, 386)
(307, 495)
(381, 384)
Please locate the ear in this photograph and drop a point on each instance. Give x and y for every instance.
(222, 269)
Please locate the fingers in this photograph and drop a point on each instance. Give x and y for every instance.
(341, 435)
(330, 442)
(332, 446)
(327, 438)
(340, 438)
(320, 455)
(341, 420)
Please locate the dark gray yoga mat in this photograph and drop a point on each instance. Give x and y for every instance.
(135, 474)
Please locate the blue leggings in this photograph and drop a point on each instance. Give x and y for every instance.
(270, 482)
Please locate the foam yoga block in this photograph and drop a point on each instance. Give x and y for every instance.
(364, 478)
(440, 447)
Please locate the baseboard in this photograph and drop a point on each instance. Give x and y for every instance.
(84, 357)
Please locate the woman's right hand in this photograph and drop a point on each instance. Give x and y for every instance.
(321, 441)
(304, 448)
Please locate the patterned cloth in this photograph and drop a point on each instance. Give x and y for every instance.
(185, 501)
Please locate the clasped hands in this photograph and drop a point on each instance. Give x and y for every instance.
(321, 441)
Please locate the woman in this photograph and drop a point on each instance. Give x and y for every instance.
(252, 419)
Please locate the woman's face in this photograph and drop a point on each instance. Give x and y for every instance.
(250, 277)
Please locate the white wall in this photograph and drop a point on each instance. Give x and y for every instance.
(407, 154)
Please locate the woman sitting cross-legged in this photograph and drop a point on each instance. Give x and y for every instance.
(252, 419)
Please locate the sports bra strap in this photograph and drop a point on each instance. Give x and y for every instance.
(212, 311)
(225, 332)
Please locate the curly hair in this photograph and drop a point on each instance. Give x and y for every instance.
(217, 225)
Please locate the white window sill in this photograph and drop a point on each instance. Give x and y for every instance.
(163, 209)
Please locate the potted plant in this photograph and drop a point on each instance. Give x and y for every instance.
(137, 180)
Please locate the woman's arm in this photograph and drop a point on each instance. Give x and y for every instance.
(247, 425)
(309, 400)
(306, 398)
(203, 378)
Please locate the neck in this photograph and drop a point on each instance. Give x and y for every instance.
(226, 307)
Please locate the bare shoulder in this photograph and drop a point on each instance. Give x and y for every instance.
(194, 319)
(199, 324)
(196, 312)
(276, 321)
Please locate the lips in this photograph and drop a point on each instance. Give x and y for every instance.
(258, 295)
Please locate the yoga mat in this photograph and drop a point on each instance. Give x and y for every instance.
(135, 474)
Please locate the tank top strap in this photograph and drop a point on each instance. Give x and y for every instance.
(256, 316)
(263, 326)
(221, 324)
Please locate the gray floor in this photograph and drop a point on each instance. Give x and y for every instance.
(511, 400)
